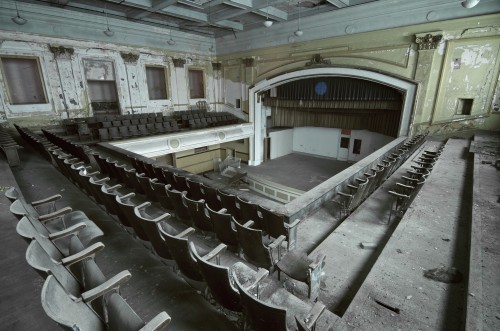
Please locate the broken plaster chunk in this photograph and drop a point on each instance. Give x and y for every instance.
(367, 245)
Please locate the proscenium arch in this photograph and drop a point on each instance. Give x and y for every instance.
(407, 87)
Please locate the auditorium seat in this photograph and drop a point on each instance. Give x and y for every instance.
(199, 215)
(224, 229)
(263, 314)
(77, 315)
(276, 226)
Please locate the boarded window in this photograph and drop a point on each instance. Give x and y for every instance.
(356, 148)
(196, 86)
(24, 81)
(101, 82)
(157, 84)
(344, 142)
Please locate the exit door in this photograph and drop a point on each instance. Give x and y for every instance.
(345, 139)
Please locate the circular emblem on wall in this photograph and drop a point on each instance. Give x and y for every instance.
(320, 88)
(174, 143)
(221, 135)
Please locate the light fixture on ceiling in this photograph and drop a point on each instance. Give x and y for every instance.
(18, 19)
(171, 42)
(267, 23)
(108, 32)
(299, 32)
(470, 3)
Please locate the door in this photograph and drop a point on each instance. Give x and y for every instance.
(345, 141)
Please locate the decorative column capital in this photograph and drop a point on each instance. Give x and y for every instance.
(248, 62)
(130, 57)
(61, 51)
(428, 40)
(179, 63)
(216, 66)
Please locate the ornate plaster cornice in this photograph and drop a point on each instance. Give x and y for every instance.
(318, 60)
(428, 40)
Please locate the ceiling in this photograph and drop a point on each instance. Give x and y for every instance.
(205, 17)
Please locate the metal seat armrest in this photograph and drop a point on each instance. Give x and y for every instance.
(127, 196)
(399, 195)
(215, 253)
(109, 285)
(405, 186)
(67, 232)
(159, 322)
(55, 215)
(83, 254)
(277, 242)
(185, 233)
(345, 194)
(46, 200)
(309, 321)
(143, 205)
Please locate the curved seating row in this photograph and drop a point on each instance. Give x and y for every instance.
(362, 187)
(76, 294)
(126, 126)
(9, 147)
(168, 232)
(39, 143)
(404, 193)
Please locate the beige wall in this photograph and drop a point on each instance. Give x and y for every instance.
(474, 41)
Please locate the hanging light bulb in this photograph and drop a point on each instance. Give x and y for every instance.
(108, 32)
(299, 32)
(18, 19)
(267, 23)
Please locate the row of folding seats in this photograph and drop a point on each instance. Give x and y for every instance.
(76, 294)
(165, 237)
(146, 221)
(9, 147)
(404, 193)
(39, 143)
(77, 150)
(125, 132)
(361, 188)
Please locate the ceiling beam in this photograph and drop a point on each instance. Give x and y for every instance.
(156, 6)
(339, 3)
(256, 7)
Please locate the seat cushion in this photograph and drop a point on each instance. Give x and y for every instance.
(295, 264)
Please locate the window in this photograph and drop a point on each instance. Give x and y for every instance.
(196, 86)
(464, 106)
(344, 142)
(157, 84)
(356, 148)
(24, 81)
(101, 82)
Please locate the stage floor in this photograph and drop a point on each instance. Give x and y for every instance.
(297, 170)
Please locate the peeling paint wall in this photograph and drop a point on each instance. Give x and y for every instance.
(65, 75)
